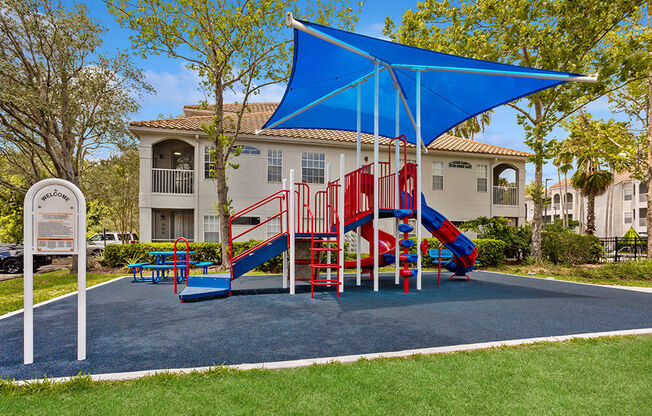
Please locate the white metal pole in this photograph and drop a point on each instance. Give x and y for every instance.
(397, 193)
(28, 283)
(291, 223)
(328, 253)
(285, 253)
(376, 216)
(358, 164)
(81, 279)
(340, 213)
(417, 197)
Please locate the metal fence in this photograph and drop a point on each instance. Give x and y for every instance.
(618, 249)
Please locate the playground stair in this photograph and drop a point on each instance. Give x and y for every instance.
(206, 285)
(321, 244)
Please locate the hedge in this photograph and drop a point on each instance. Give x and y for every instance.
(490, 252)
(570, 248)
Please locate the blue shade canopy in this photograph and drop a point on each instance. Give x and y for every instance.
(448, 97)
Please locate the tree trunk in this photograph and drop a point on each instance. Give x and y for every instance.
(221, 163)
(561, 198)
(537, 218)
(565, 198)
(649, 152)
(590, 215)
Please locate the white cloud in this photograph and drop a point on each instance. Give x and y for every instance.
(374, 30)
(270, 93)
(599, 105)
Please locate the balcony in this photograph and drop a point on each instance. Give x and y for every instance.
(642, 222)
(173, 181)
(642, 198)
(505, 195)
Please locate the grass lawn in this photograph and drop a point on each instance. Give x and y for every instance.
(599, 376)
(628, 273)
(46, 286)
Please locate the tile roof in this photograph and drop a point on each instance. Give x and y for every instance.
(260, 113)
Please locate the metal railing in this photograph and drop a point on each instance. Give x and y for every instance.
(505, 195)
(642, 198)
(173, 181)
(618, 249)
(642, 222)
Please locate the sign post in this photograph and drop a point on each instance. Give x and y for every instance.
(54, 223)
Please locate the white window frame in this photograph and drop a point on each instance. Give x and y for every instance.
(273, 156)
(208, 160)
(273, 227)
(481, 174)
(628, 219)
(246, 149)
(628, 192)
(315, 161)
(437, 167)
(211, 224)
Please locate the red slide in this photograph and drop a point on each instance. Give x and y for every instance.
(386, 244)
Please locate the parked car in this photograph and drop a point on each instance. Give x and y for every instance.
(97, 242)
(11, 258)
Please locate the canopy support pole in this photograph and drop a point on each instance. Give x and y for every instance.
(358, 164)
(328, 244)
(397, 197)
(376, 167)
(285, 253)
(340, 230)
(291, 236)
(417, 197)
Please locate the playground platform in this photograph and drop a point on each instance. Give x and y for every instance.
(135, 327)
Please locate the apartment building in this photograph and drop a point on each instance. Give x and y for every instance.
(462, 178)
(624, 205)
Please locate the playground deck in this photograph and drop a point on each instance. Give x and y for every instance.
(142, 326)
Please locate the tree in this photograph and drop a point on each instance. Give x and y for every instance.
(635, 100)
(61, 98)
(563, 161)
(472, 126)
(111, 186)
(554, 35)
(237, 45)
(595, 145)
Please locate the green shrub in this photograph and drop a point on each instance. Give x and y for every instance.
(491, 252)
(570, 248)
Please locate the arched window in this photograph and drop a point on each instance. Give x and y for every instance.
(249, 150)
(556, 198)
(569, 199)
(459, 164)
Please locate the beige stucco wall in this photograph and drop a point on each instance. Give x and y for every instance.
(459, 200)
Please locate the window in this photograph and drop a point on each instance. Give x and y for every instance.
(209, 163)
(211, 228)
(312, 167)
(459, 164)
(274, 162)
(628, 217)
(246, 221)
(273, 227)
(569, 200)
(627, 192)
(437, 176)
(481, 172)
(248, 150)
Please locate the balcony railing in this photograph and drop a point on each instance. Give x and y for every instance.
(642, 198)
(172, 181)
(642, 222)
(505, 195)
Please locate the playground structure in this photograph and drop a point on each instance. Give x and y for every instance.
(319, 222)
(324, 90)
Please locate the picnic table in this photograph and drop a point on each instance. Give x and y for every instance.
(162, 266)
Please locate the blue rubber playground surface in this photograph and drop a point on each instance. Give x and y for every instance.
(141, 326)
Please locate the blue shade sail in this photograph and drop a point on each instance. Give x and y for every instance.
(321, 68)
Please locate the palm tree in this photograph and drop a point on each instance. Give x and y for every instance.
(469, 128)
(591, 181)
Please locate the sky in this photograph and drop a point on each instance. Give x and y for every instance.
(176, 86)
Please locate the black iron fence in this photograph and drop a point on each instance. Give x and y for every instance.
(622, 249)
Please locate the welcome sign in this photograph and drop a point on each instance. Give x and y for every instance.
(55, 221)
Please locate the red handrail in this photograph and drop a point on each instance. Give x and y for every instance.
(282, 197)
(187, 261)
